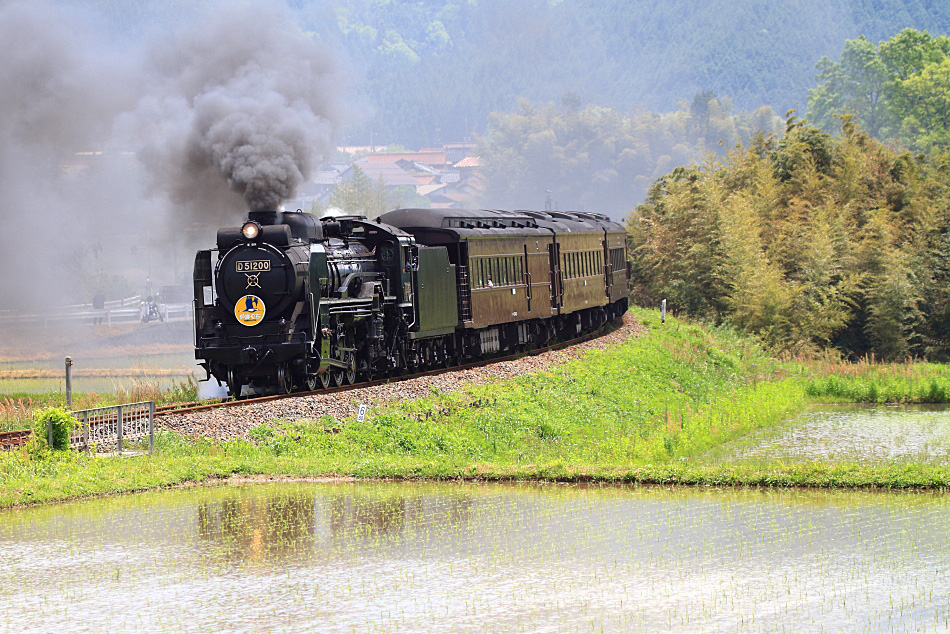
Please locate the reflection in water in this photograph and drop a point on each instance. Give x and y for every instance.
(286, 526)
(470, 558)
(257, 529)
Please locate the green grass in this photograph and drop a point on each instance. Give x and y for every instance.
(879, 383)
(644, 411)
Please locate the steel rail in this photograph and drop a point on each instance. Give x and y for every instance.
(15, 438)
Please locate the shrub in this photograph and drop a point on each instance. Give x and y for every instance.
(62, 422)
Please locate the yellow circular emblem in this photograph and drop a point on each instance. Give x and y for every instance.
(249, 310)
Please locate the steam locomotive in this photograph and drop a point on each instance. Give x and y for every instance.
(297, 302)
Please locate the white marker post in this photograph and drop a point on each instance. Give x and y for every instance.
(663, 312)
(361, 415)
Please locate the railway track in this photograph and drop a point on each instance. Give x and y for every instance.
(17, 438)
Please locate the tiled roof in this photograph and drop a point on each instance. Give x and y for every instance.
(470, 161)
(430, 157)
(425, 190)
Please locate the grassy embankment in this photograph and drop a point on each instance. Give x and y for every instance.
(645, 411)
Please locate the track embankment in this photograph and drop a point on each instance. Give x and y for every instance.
(235, 422)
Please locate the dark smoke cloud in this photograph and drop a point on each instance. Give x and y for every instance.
(219, 110)
(244, 96)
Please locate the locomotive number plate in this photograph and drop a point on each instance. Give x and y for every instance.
(252, 266)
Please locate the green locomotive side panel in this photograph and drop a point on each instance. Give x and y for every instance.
(437, 298)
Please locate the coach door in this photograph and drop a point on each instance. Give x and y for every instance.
(557, 280)
(526, 268)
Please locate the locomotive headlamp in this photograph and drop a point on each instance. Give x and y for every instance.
(250, 230)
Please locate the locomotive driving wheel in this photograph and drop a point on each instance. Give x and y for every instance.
(350, 375)
(284, 383)
(235, 383)
(337, 377)
(306, 380)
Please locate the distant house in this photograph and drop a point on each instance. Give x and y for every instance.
(431, 157)
(391, 174)
(318, 189)
(447, 176)
(455, 152)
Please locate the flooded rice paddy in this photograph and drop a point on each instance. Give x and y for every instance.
(402, 557)
(853, 433)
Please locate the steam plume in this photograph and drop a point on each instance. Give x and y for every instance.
(246, 98)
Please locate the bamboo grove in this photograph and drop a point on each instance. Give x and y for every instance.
(813, 243)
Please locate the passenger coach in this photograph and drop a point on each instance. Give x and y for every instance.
(525, 276)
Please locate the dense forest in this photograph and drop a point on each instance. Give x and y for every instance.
(427, 71)
(808, 241)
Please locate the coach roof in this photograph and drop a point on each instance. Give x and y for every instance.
(463, 221)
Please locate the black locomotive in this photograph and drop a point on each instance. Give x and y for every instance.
(297, 302)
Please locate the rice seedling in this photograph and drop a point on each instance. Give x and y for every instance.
(388, 557)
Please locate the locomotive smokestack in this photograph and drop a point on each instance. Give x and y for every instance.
(265, 218)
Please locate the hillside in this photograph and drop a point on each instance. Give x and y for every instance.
(432, 70)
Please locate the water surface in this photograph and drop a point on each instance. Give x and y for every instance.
(851, 432)
(387, 557)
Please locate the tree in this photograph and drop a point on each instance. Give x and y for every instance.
(599, 159)
(855, 85)
(897, 90)
(359, 195)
